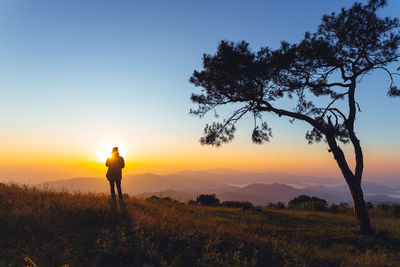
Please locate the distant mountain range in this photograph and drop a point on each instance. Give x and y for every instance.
(258, 188)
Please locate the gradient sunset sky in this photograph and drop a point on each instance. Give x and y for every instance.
(78, 77)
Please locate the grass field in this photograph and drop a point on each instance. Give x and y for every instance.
(55, 229)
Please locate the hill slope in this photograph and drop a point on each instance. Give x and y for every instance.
(56, 228)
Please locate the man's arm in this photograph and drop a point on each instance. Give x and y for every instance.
(107, 163)
(122, 163)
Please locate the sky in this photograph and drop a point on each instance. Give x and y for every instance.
(79, 77)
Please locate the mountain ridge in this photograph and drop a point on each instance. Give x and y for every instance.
(255, 187)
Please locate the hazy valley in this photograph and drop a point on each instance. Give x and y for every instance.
(258, 188)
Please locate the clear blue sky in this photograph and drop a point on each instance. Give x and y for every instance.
(74, 70)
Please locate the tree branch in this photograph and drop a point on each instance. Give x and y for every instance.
(281, 112)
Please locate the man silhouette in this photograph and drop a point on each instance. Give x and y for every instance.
(115, 165)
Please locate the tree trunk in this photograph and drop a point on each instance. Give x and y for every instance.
(354, 183)
(360, 210)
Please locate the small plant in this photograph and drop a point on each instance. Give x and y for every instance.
(208, 200)
(305, 202)
(280, 205)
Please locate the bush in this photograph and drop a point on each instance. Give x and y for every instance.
(305, 202)
(316, 205)
(208, 200)
(280, 205)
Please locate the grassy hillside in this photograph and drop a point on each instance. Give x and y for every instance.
(54, 229)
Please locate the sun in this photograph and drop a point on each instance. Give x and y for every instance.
(103, 152)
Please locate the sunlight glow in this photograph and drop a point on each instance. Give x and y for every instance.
(104, 151)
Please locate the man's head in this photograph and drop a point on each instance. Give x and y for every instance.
(114, 150)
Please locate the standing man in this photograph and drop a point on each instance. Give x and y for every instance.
(115, 165)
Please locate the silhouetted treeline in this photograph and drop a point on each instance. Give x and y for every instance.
(212, 200)
(302, 203)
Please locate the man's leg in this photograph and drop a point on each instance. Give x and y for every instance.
(112, 188)
(118, 182)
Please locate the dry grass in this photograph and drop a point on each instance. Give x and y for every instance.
(54, 229)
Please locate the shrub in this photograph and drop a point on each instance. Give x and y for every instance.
(208, 200)
(316, 205)
(280, 205)
(305, 202)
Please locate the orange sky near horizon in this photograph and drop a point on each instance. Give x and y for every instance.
(34, 162)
